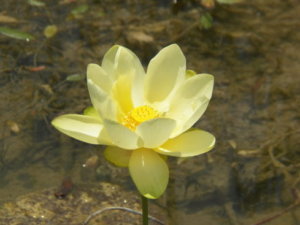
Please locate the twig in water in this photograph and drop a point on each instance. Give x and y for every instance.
(284, 211)
(119, 208)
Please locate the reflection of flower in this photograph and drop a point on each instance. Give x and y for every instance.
(139, 115)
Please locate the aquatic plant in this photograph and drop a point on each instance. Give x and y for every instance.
(143, 116)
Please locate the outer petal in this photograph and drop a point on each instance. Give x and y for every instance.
(190, 101)
(200, 109)
(108, 62)
(149, 172)
(165, 72)
(83, 128)
(99, 76)
(121, 136)
(156, 131)
(191, 143)
(117, 156)
(99, 87)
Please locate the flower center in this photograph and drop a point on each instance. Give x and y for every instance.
(138, 115)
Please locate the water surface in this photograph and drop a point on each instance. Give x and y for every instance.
(252, 48)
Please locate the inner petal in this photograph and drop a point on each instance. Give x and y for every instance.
(122, 93)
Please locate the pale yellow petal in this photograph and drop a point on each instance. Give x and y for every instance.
(109, 61)
(99, 77)
(83, 128)
(137, 93)
(165, 72)
(122, 93)
(121, 136)
(156, 131)
(201, 107)
(149, 172)
(120, 61)
(191, 143)
(102, 101)
(118, 156)
(129, 65)
(190, 101)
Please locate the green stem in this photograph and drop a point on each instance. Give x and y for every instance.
(145, 210)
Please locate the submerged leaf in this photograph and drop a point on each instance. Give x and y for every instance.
(9, 32)
(80, 9)
(50, 31)
(75, 77)
(36, 3)
(206, 20)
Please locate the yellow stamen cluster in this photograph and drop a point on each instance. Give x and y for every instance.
(138, 115)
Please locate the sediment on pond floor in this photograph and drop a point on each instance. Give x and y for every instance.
(43, 207)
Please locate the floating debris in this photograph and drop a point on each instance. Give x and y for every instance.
(46, 88)
(91, 162)
(35, 68)
(209, 4)
(232, 143)
(9, 32)
(8, 19)
(13, 126)
(50, 31)
(139, 37)
(249, 152)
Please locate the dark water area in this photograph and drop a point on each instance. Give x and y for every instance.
(252, 176)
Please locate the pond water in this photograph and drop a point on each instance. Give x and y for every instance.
(253, 50)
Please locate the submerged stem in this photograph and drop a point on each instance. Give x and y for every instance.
(145, 210)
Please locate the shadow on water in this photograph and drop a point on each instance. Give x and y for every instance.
(252, 48)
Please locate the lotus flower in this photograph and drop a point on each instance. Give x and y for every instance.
(141, 116)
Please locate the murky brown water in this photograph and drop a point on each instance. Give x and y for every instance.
(253, 49)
